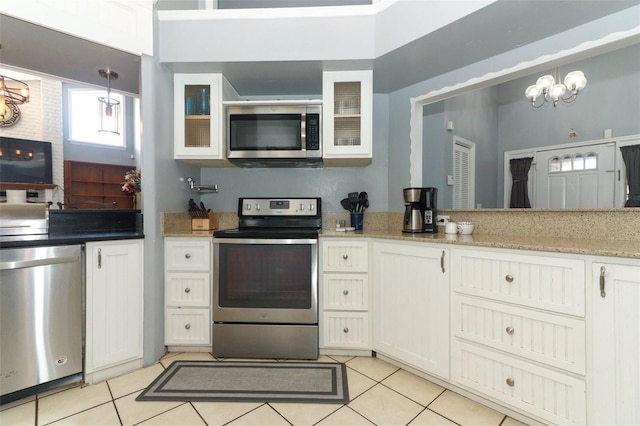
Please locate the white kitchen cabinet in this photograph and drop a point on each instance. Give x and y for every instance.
(519, 332)
(411, 304)
(199, 118)
(188, 280)
(114, 308)
(615, 389)
(347, 118)
(344, 295)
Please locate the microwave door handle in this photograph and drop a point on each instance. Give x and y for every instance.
(303, 131)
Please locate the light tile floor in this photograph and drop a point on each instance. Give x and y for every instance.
(381, 394)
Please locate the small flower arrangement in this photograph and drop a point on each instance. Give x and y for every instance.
(131, 184)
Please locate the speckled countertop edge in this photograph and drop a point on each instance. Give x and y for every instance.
(549, 237)
(610, 248)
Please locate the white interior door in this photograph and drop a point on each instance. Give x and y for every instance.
(464, 173)
(576, 177)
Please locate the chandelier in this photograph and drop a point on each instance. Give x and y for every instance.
(547, 90)
(12, 92)
(109, 107)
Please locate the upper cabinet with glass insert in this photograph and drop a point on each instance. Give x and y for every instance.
(198, 115)
(347, 117)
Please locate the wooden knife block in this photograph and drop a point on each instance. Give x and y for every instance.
(204, 224)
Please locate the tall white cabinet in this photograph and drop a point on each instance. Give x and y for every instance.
(615, 295)
(411, 304)
(347, 118)
(114, 299)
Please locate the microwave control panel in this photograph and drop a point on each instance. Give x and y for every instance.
(313, 132)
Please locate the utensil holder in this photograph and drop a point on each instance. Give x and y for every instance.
(357, 220)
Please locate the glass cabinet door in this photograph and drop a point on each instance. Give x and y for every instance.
(197, 115)
(347, 117)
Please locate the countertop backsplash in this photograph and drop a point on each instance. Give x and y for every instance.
(598, 224)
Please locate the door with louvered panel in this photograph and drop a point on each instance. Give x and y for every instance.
(464, 180)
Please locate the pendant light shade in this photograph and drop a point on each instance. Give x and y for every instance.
(547, 89)
(109, 107)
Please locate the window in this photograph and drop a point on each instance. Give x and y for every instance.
(572, 163)
(84, 118)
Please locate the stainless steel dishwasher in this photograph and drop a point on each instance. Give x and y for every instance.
(41, 317)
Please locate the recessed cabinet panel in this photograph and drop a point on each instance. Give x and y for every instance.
(346, 330)
(555, 397)
(188, 289)
(345, 256)
(187, 327)
(188, 255)
(346, 291)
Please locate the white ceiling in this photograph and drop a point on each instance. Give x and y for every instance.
(497, 28)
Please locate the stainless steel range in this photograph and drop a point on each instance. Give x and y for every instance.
(265, 286)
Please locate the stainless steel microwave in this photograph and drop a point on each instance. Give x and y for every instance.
(274, 134)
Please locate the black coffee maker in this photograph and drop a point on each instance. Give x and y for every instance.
(420, 210)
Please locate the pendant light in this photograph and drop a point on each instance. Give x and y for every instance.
(547, 89)
(109, 107)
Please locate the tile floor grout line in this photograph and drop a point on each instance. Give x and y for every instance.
(113, 402)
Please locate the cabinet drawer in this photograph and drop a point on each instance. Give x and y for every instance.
(188, 254)
(343, 256)
(188, 289)
(550, 283)
(345, 291)
(187, 327)
(346, 330)
(551, 339)
(557, 398)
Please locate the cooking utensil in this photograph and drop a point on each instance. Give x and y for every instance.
(346, 204)
(361, 197)
(353, 199)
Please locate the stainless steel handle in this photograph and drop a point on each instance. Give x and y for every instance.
(345, 256)
(99, 258)
(40, 262)
(187, 290)
(509, 278)
(345, 292)
(187, 256)
(187, 326)
(509, 331)
(603, 294)
(346, 329)
(442, 262)
(510, 382)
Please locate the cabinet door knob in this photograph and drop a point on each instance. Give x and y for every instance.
(346, 329)
(510, 382)
(187, 290)
(187, 326)
(187, 256)
(345, 292)
(509, 331)
(345, 256)
(509, 278)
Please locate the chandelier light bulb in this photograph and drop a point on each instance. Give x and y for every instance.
(532, 92)
(575, 81)
(545, 83)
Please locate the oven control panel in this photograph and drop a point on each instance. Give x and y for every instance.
(279, 206)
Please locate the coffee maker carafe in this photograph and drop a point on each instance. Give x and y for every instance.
(420, 210)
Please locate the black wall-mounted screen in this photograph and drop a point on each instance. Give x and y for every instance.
(25, 161)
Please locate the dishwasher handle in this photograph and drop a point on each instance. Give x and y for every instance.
(18, 264)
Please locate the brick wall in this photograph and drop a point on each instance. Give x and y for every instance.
(41, 120)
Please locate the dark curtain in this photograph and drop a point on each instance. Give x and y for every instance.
(520, 174)
(631, 157)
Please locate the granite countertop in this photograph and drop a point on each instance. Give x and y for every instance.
(585, 246)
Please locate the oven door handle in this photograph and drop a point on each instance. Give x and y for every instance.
(273, 241)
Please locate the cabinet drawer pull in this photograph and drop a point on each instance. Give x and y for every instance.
(187, 326)
(346, 329)
(510, 382)
(509, 331)
(345, 256)
(187, 255)
(603, 294)
(509, 278)
(442, 262)
(187, 290)
(345, 292)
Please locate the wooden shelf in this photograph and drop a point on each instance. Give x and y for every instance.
(17, 185)
(95, 185)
